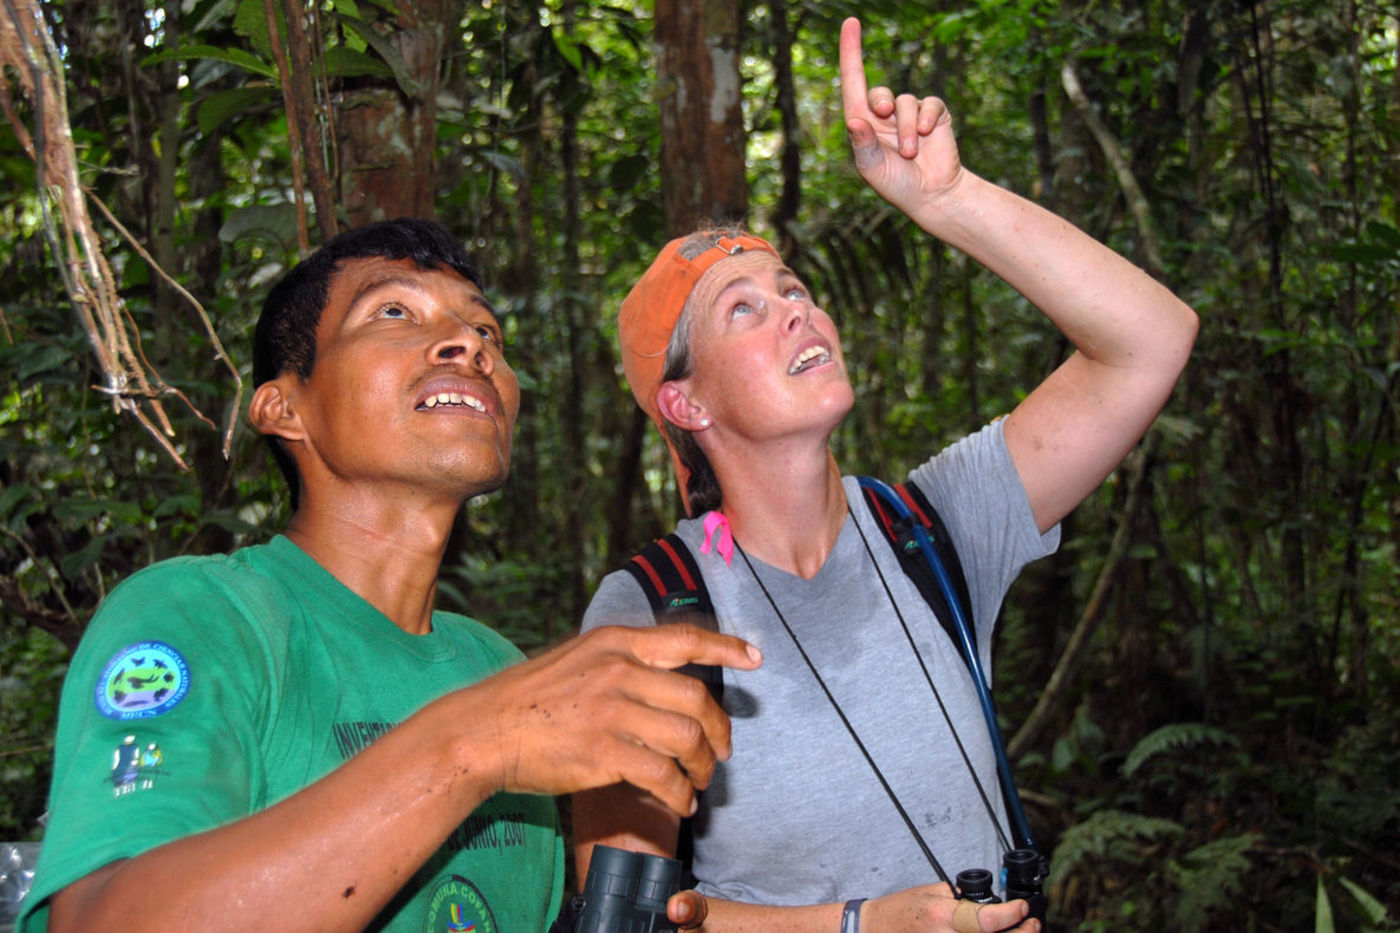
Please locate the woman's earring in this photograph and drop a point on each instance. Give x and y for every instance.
(704, 422)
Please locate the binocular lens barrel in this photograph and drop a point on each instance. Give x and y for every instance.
(1023, 880)
(975, 884)
(626, 892)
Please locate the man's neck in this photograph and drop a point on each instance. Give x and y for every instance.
(786, 511)
(387, 554)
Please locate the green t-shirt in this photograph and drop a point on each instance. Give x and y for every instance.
(209, 688)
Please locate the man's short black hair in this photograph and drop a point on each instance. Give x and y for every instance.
(285, 338)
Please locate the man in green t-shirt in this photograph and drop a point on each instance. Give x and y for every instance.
(290, 737)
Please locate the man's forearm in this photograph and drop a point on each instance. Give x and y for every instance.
(328, 857)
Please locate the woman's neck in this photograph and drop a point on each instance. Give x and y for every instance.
(786, 514)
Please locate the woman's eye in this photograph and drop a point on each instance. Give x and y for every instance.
(741, 309)
(796, 294)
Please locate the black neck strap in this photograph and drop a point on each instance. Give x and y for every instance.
(850, 729)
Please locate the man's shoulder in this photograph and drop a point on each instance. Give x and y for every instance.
(191, 593)
(492, 644)
(244, 570)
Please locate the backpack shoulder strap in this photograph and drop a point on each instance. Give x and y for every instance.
(669, 576)
(667, 572)
(900, 535)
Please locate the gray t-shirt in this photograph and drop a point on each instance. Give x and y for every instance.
(797, 816)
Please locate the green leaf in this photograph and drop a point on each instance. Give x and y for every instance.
(343, 62)
(240, 57)
(32, 359)
(275, 222)
(75, 562)
(387, 52)
(229, 522)
(222, 106)
(208, 18)
(77, 511)
(568, 49)
(1384, 233)
(250, 21)
(186, 503)
(13, 496)
(1375, 911)
(504, 163)
(1322, 915)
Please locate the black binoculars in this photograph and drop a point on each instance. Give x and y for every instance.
(626, 892)
(1025, 874)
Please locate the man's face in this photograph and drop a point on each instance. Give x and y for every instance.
(410, 388)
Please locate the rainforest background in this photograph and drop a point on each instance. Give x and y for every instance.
(1201, 688)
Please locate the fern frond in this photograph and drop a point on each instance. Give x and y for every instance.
(1175, 735)
(1110, 835)
(1210, 877)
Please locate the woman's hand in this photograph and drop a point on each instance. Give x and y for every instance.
(904, 145)
(933, 907)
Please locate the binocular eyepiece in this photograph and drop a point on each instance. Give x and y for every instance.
(626, 892)
(1024, 872)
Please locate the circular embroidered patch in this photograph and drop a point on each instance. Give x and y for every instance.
(142, 680)
(457, 906)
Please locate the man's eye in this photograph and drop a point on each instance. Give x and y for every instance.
(741, 309)
(796, 294)
(394, 312)
(489, 334)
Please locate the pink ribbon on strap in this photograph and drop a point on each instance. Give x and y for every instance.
(715, 521)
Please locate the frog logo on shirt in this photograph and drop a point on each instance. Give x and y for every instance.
(458, 907)
(142, 680)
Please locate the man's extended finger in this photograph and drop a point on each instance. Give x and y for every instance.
(672, 646)
(852, 69)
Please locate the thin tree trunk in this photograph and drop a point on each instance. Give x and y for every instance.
(697, 66)
(386, 139)
(791, 159)
(573, 466)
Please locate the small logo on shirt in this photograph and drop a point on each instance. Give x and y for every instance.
(457, 906)
(142, 680)
(135, 766)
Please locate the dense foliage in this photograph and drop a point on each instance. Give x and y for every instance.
(1219, 746)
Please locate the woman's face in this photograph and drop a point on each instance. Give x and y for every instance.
(767, 360)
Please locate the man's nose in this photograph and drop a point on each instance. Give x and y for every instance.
(462, 342)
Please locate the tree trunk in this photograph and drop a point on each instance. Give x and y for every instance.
(385, 139)
(791, 196)
(574, 468)
(702, 126)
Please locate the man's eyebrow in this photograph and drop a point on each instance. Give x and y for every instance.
(413, 284)
(391, 280)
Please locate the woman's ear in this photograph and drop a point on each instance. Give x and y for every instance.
(678, 408)
(270, 411)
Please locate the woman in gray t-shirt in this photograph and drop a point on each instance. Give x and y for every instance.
(731, 356)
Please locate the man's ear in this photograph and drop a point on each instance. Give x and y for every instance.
(678, 408)
(271, 411)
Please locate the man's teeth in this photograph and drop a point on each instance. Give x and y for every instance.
(453, 398)
(810, 356)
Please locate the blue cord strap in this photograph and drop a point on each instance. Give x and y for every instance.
(967, 646)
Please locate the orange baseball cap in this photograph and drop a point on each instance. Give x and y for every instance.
(649, 314)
